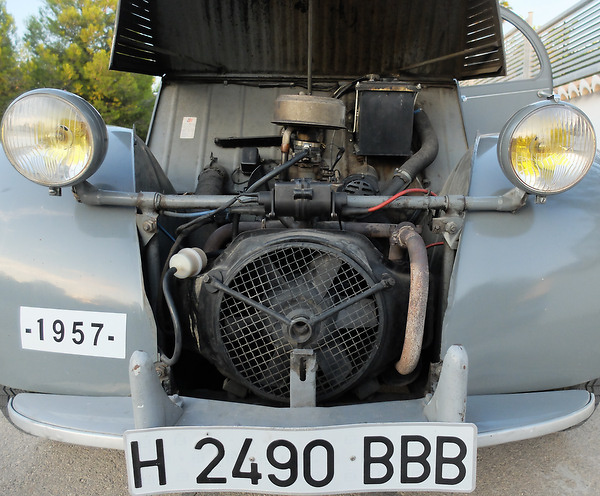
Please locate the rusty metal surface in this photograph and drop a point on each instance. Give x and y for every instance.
(437, 39)
(408, 238)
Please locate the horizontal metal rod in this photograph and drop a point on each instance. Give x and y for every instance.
(90, 195)
(509, 202)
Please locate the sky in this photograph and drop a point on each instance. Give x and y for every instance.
(21, 9)
(543, 10)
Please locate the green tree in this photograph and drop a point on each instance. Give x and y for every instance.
(68, 46)
(10, 75)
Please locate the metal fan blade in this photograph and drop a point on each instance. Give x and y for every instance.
(334, 363)
(361, 314)
(322, 272)
(276, 288)
(271, 275)
(311, 285)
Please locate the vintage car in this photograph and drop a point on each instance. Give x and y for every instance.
(334, 266)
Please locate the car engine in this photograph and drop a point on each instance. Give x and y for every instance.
(299, 278)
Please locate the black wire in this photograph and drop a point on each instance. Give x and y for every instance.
(276, 171)
(348, 86)
(185, 229)
(174, 319)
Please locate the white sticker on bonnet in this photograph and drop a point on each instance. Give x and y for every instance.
(188, 128)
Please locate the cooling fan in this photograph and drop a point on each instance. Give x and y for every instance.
(272, 293)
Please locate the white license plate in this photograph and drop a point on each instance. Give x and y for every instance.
(75, 332)
(328, 460)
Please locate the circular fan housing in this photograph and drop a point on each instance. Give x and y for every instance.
(299, 277)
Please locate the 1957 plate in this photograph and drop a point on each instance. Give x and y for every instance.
(328, 460)
(74, 332)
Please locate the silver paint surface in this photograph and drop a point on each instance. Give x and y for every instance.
(523, 297)
(57, 253)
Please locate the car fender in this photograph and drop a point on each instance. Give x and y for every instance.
(56, 253)
(522, 296)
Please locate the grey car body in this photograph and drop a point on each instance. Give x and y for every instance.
(511, 285)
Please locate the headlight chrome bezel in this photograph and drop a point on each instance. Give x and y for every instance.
(35, 166)
(572, 172)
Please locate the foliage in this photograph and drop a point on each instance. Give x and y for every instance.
(10, 76)
(67, 45)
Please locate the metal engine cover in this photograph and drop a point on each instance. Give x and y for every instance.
(310, 111)
(274, 291)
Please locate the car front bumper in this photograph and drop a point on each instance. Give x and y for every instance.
(102, 421)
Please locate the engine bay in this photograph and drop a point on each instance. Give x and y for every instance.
(304, 296)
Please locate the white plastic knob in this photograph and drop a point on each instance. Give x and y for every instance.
(189, 262)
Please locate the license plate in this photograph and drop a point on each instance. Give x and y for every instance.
(75, 332)
(328, 460)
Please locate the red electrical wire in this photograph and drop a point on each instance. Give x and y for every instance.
(398, 195)
(438, 243)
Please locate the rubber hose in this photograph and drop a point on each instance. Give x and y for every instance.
(420, 160)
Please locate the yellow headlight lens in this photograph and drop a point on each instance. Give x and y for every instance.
(547, 148)
(53, 137)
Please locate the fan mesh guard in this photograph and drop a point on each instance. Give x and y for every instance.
(300, 280)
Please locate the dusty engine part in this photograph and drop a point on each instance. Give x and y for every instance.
(273, 292)
(305, 119)
(309, 111)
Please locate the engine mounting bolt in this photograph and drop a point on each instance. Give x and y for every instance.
(149, 226)
(451, 227)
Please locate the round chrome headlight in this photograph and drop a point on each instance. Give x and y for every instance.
(53, 137)
(547, 147)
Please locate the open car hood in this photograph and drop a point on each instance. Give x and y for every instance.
(433, 39)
